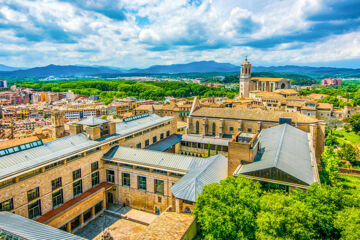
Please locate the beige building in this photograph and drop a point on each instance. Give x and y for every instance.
(248, 83)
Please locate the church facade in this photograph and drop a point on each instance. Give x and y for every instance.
(248, 83)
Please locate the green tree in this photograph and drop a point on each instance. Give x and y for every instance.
(227, 210)
(348, 223)
(331, 140)
(355, 122)
(284, 217)
(348, 152)
(330, 164)
(104, 117)
(115, 116)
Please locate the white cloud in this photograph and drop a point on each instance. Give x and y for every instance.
(179, 31)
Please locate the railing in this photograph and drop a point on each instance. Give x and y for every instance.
(350, 171)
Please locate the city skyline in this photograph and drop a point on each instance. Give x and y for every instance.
(143, 33)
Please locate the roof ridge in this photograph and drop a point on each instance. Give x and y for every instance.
(206, 166)
(277, 156)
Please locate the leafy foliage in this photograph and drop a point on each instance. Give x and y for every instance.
(330, 164)
(355, 122)
(227, 210)
(237, 208)
(107, 90)
(348, 152)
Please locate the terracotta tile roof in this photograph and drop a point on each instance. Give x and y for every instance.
(168, 226)
(286, 91)
(16, 142)
(325, 106)
(49, 215)
(235, 113)
(263, 79)
(316, 96)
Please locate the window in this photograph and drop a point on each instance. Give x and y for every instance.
(161, 136)
(77, 188)
(159, 186)
(141, 183)
(95, 179)
(57, 198)
(55, 184)
(94, 166)
(159, 199)
(34, 209)
(147, 143)
(33, 194)
(154, 139)
(214, 128)
(249, 130)
(110, 176)
(167, 133)
(126, 179)
(197, 127)
(159, 171)
(138, 145)
(231, 129)
(7, 205)
(76, 174)
(54, 165)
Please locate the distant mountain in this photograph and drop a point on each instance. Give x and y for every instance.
(311, 71)
(193, 67)
(7, 68)
(60, 71)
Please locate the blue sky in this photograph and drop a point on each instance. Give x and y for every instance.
(140, 33)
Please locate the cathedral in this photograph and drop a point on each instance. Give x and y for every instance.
(248, 83)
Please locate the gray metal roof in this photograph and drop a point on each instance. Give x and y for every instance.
(155, 159)
(124, 128)
(165, 143)
(205, 139)
(286, 148)
(48, 152)
(31, 230)
(189, 186)
(92, 121)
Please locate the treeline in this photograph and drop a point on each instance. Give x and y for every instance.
(107, 90)
(350, 95)
(296, 79)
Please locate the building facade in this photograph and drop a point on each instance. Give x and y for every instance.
(248, 83)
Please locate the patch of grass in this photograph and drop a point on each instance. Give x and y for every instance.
(349, 137)
(349, 182)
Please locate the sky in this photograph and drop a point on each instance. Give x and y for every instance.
(141, 33)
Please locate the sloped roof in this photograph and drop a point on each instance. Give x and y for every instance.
(162, 160)
(123, 128)
(165, 143)
(265, 79)
(31, 230)
(189, 186)
(259, 115)
(92, 121)
(205, 139)
(16, 142)
(286, 148)
(37, 156)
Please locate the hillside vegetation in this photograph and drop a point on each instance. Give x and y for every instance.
(107, 90)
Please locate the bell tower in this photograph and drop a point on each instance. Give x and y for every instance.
(245, 77)
(57, 121)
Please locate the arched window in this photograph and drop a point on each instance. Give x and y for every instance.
(197, 127)
(214, 128)
(283, 86)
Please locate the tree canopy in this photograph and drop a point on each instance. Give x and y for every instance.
(238, 208)
(107, 89)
